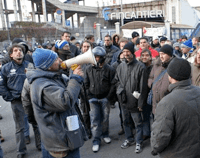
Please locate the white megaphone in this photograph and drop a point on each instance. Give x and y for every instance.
(87, 57)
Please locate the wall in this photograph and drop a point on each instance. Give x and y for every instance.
(188, 14)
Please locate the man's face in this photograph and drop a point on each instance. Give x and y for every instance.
(155, 41)
(78, 45)
(107, 41)
(143, 44)
(183, 40)
(17, 55)
(198, 57)
(85, 47)
(122, 44)
(128, 55)
(185, 50)
(145, 57)
(162, 43)
(176, 48)
(164, 57)
(56, 66)
(194, 41)
(97, 58)
(92, 40)
(66, 37)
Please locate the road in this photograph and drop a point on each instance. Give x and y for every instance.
(112, 150)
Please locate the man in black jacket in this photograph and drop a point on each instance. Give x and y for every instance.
(131, 78)
(98, 81)
(109, 48)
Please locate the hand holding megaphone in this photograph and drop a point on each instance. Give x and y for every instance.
(87, 57)
(78, 71)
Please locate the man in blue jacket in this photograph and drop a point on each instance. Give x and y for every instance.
(12, 78)
(53, 98)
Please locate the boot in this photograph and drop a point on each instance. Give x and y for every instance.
(37, 138)
(1, 137)
(1, 117)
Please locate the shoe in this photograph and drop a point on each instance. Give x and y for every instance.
(107, 140)
(95, 148)
(21, 155)
(127, 143)
(27, 140)
(121, 131)
(138, 148)
(1, 137)
(112, 106)
(1, 117)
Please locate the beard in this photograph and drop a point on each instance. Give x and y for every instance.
(18, 60)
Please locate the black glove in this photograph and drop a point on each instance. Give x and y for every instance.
(154, 153)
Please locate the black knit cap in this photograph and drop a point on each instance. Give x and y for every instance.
(135, 34)
(130, 47)
(179, 69)
(167, 49)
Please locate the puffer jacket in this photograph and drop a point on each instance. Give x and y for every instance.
(98, 81)
(161, 87)
(176, 129)
(53, 99)
(110, 50)
(12, 78)
(132, 77)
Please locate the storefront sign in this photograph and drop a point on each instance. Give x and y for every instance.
(137, 14)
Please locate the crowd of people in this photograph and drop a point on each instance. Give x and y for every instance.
(155, 83)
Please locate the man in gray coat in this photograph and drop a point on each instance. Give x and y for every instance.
(175, 131)
(53, 99)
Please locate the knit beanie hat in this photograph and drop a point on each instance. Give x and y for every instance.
(130, 47)
(60, 44)
(179, 69)
(44, 58)
(187, 44)
(167, 49)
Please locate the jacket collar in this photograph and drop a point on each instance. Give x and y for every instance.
(179, 84)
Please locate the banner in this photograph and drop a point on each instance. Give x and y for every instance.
(160, 31)
(128, 32)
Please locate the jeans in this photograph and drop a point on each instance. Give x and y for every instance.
(146, 119)
(137, 119)
(18, 115)
(1, 151)
(26, 127)
(99, 115)
(71, 154)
